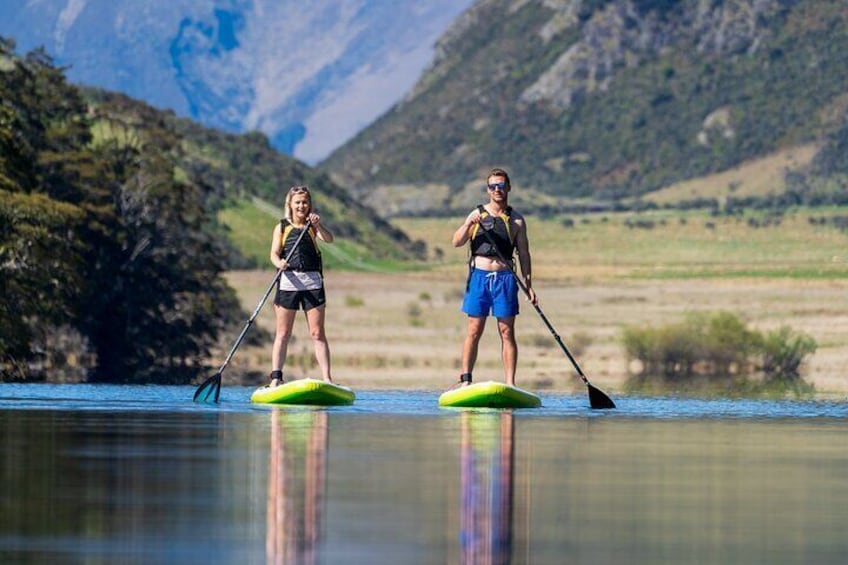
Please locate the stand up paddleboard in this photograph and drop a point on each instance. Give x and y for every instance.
(489, 394)
(304, 391)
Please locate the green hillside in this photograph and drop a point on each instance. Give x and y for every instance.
(234, 167)
(607, 99)
(254, 244)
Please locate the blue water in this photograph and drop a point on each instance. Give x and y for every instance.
(141, 474)
(404, 402)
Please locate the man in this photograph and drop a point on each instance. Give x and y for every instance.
(495, 232)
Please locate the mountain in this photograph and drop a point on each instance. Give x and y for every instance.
(604, 99)
(307, 74)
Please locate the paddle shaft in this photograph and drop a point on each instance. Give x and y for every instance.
(262, 302)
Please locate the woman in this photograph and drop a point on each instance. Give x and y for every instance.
(301, 280)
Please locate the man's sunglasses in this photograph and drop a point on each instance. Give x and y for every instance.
(496, 185)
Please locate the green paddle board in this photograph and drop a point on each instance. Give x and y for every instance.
(304, 391)
(489, 394)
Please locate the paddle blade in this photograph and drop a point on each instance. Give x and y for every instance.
(210, 390)
(598, 400)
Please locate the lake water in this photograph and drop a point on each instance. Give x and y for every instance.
(127, 474)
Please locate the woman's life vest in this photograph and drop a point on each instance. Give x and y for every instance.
(307, 256)
(498, 228)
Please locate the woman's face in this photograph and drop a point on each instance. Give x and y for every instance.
(301, 205)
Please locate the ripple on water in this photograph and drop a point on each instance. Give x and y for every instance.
(405, 402)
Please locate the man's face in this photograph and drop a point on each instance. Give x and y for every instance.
(497, 188)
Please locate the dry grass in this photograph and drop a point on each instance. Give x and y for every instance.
(376, 345)
(756, 177)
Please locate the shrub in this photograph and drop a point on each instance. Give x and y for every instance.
(413, 310)
(352, 301)
(728, 344)
(783, 352)
(718, 345)
(670, 352)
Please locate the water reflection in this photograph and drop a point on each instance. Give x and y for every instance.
(297, 471)
(487, 487)
(237, 485)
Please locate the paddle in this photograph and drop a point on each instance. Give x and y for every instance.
(597, 399)
(210, 389)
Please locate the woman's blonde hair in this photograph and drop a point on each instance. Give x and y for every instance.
(293, 191)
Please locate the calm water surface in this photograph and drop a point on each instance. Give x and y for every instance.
(107, 474)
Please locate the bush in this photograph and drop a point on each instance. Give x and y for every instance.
(728, 345)
(670, 352)
(783, 352)
(353, 301)
(717, 346)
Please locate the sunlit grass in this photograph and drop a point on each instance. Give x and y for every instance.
(648, 245)
(669, 244)
(756, 177)
(251, 227)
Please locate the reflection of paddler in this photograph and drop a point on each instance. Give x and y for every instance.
(296, 478)
(487, 487)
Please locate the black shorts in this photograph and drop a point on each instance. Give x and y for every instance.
(300, 299)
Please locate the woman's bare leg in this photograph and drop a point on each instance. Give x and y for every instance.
(285, 322)
(315, 319)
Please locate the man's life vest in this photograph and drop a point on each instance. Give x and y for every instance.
(499, 231)
(307, 256)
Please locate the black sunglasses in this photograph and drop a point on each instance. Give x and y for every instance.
(496, 185)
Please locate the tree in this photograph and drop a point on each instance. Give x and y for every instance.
(39, 271)
(99, 235)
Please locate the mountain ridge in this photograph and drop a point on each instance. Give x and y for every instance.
(307, 75)
(607, 99)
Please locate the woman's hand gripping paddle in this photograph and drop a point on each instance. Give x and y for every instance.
(597, 399)
(210, 389)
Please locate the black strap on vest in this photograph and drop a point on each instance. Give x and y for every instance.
(283, 223)
(482, 210)
(483, 245)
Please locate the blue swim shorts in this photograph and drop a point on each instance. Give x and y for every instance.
(491, 291)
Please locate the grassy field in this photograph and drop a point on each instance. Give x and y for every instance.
(594, 275)
(669, 245)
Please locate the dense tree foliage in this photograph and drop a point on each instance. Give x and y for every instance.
(100, 235)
